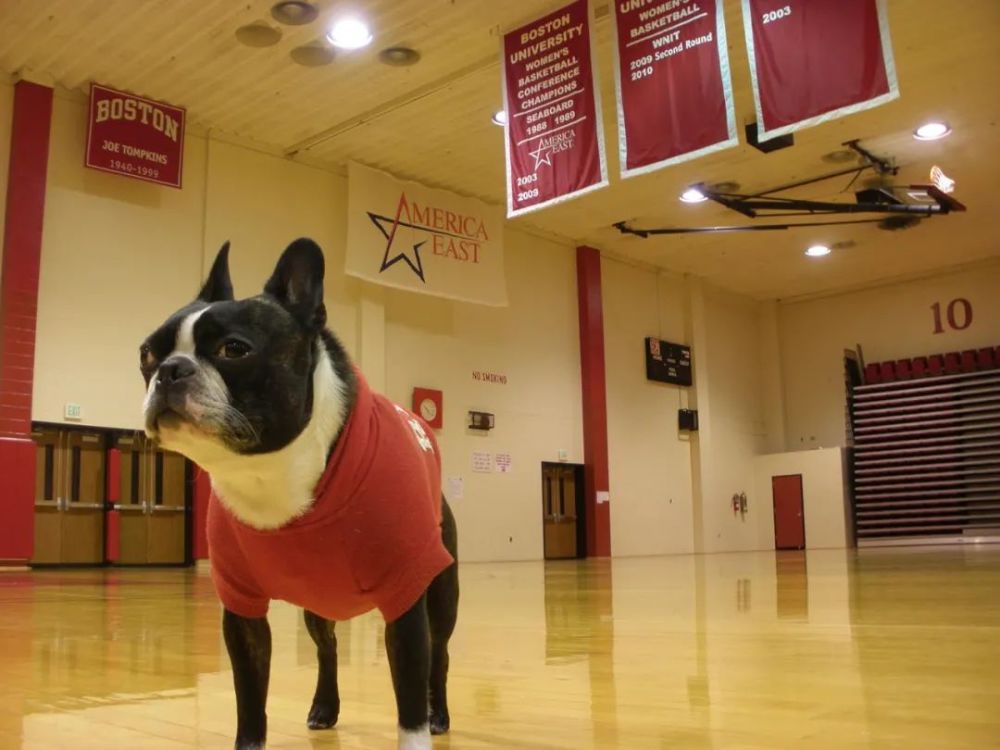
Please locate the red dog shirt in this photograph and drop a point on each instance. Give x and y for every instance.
(371, 539)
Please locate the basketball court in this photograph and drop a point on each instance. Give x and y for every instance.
(708, 344)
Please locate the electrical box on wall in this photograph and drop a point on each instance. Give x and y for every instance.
(668, 363)
(687, 419)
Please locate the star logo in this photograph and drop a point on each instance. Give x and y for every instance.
(394, 223)
(542, 154)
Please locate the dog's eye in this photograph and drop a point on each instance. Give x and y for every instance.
(234, 349)
(146, 358)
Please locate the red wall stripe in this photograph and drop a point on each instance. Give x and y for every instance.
(22, 244)
(595, 410)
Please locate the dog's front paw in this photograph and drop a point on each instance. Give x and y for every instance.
(323, 716)
(440, 722)
(414, 739)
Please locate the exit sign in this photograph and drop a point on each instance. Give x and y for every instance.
(74, 411)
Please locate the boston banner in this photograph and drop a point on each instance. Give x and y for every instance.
(554, 138)
(135, 137)
(675, 97)
(816, 60)
(408, 236)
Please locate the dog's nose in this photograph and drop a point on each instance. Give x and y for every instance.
(173, 370)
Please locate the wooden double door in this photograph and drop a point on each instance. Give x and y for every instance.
(70, 475)
(152, 505)
(562, 511)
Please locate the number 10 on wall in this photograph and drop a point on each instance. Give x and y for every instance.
(958, 315)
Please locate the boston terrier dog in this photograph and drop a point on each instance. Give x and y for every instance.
(324, 494)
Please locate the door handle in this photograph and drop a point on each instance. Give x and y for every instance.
(168, 509)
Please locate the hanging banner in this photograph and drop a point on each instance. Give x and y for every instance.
(816, 60)
(408, 236)
(135, 137)
(675, 96)
(554, 138)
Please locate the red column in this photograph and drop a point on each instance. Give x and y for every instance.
(22, 244)
(595, 410)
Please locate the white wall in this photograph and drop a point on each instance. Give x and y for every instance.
(824, 502)
(890, 322)
(650, 460)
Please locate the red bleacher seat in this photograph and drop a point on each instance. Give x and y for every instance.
(872, 374)
(985, 359)
(935, 364)
(969, 361)
(887, 371)
(904, 371)
(952, 363)
(919, 367)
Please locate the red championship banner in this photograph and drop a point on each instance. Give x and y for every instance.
(554, 138)
(675, 96)
(816, 60)
(136, 137)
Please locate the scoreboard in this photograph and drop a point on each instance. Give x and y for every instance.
(668, 363)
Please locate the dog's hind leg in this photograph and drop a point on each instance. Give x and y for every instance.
(326, 703)
(442, 611)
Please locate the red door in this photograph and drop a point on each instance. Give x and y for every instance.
(789, 525)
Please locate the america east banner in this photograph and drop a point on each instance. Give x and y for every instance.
(816, 60)
(554, 138)
(675, 96)
(409, 236)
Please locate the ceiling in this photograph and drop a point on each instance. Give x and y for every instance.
(431, 122)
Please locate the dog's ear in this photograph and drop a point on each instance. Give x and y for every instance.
(297, 283)
(218, 287)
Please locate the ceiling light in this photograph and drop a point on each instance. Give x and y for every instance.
(817, 251)
(500, 117)
(349, 33)
(931, 131)
(258, 34)
(294, 12)
(399, 57)
(313, 55)
(693, 195)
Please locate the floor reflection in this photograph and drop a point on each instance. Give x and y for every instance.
(828, 649)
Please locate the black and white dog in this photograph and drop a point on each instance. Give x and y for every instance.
(321, 490)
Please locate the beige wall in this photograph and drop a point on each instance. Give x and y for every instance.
(824, 503)
(436, 343)
(650, 460)
(890, 322)
(117, 255)
(729, 384)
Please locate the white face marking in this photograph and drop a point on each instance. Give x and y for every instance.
(417, 739)
(184, 344)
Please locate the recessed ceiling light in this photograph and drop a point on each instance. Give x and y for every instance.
(350, 33)
(313, 55)
(294, 12)
(817, 251)
(931, 131)
(258, 34)
(693, 195)
(500, 117)
(399, 57)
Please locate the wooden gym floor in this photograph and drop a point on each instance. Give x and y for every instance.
(882, 649)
